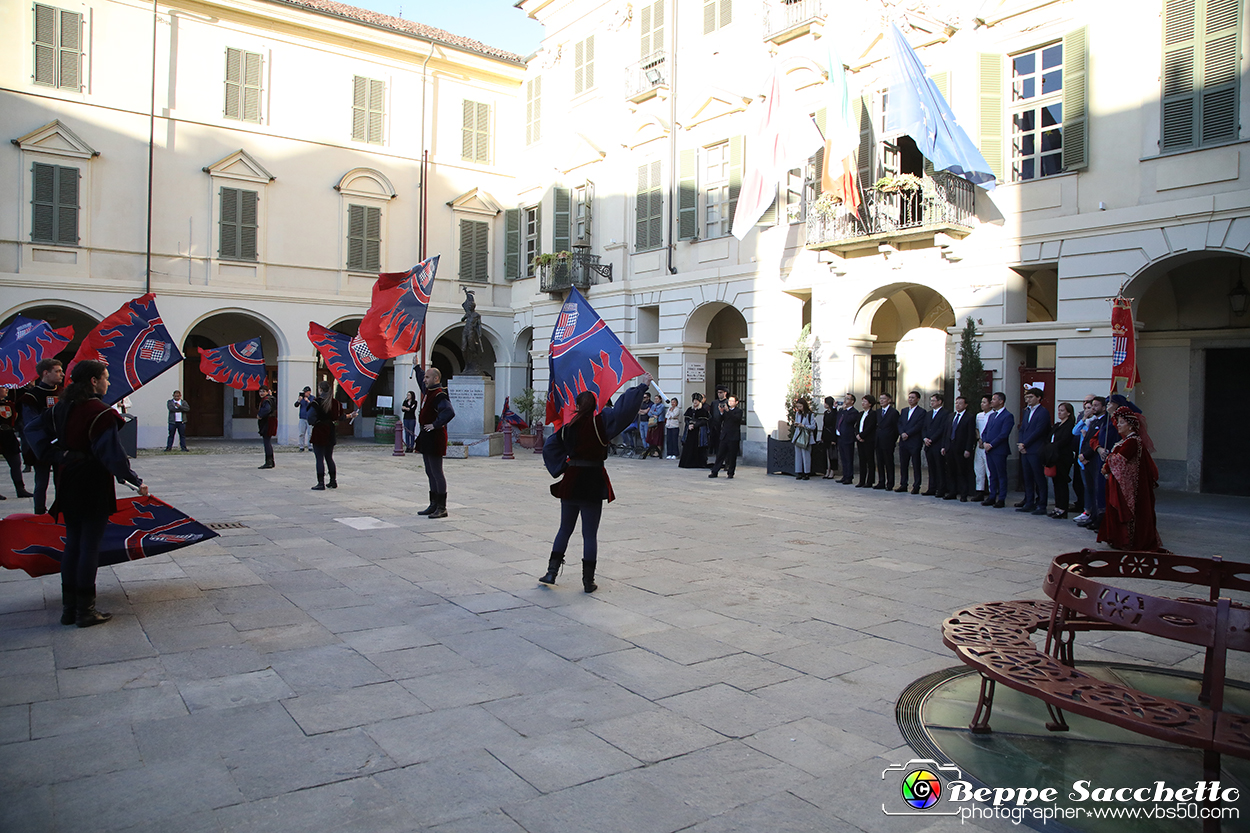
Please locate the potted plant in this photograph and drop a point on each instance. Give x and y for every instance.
(544, 261)
(533, 407)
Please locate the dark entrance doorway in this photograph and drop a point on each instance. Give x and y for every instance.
(206, 397)
(1225, 453)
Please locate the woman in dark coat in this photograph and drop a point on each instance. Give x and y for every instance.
(408, 409)
(327, 411)
(86, 431)
(694, 451)
(829, 436)
(1058, 455)
(576, 453)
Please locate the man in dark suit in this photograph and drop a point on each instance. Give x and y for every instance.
(994, 439)
(935, 426)
(1091, 450)
(910, 441)
(887, 438)
(866, 439)
(958, 445)
(178, 410)
(847, 425)
(1031, 440)
(730, 437)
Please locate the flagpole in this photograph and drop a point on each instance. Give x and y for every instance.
(147, 281)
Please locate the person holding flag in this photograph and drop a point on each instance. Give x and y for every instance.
(326, 412)
(435, 412)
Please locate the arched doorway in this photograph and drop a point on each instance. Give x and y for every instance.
(909, 350)
(524, 353)
(59, 316)
(448, 355)
(218, 411)
(723, 327)
(1193, 353)
(384, 386)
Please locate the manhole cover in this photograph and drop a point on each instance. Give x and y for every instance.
(226, 525)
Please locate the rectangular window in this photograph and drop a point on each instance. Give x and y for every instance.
(651, 30)
(649, 209)
(54, 205)
(717, 14)
(474, 254)
(368, 106)
(475, 132)
(884, 374)
(58, 48)
(1037, 113)
(533, 109)
(364, 238)
(238, 225)
(716, 214)
(243, 74)
(583, 200)
(584, 65)
(531, 241)
(1201, 72)
(800, 181)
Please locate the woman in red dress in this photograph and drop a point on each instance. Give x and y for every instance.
(1129, 522)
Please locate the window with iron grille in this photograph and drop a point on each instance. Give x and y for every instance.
(533, 109)
(1037, 113)
(1201, 72)
(54, 205)
(243, 85)
(474, 250)
(584, 65)
(475, 132)
(364, 238)
(368, 109)
(885, 376)
(732, 373)
(238, 227)
(58, 48)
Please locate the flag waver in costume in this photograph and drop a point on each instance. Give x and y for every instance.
(1123, 345)
(584, 355)
(23, 344)
(141, 527)
(348, 358)
(396, 316)
(240, 365)
(135, 345)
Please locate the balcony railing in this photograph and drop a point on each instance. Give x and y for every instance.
(580, 269)
(647, 77)
(944, 204)
(788, 19)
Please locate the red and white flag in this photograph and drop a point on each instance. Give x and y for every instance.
(1123, 345)
(839, 176)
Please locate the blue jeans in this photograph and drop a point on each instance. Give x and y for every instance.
(410, 433)
(997, 463)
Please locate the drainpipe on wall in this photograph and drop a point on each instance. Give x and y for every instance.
(147, 280)
(672, 144)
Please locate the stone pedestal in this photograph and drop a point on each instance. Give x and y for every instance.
(473, 397)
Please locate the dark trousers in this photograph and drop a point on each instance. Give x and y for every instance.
(885, 465)
(867, 463)
(959, 474)
(996, 462)
(81, 558)
(1061, 488)
(937, 471)
(846, 459)
(434, 472)
(410, 434)
(590, 513)
(268, 443)
(43, 474)
(179, 428)
(1034, 472)
(12, 452)
(907, 453)
(1078, 487)
(726, 456)
(324, 455)
(673, 434)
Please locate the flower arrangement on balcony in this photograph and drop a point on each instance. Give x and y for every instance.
(907, 183)
(544, 260)
(826, 205)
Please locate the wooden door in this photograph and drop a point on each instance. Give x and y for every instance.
(206, 398)
(1225, 452)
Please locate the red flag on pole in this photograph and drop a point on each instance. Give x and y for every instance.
(1123, 345)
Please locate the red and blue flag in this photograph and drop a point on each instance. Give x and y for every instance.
(240, 365)
(25, 343)
(349, 358)
(511, 417)
(584, 355)
(396, 316)
(135, 345)
(141, 527)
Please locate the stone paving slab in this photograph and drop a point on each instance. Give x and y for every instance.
(737, 670)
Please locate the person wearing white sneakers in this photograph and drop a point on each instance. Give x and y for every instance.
(672, 427)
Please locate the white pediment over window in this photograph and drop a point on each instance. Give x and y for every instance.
(366, 182)
(476, 201)
(712, 104)
(55, 138)
(802, 72)
(646, 129)
(240, 165)
(579, 151)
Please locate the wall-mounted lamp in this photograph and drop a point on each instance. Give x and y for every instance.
(1237, 298)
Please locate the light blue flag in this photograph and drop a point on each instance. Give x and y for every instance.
(919, 110)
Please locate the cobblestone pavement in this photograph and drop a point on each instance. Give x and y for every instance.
(737, 670)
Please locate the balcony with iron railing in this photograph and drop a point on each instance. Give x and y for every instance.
(578, 269)
(942, 203)
(647, 78)
(786, 20)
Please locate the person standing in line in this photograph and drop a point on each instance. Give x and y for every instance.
(408, 411)
(1092, 452)
(803, 432)
(1078, 468)
(911, 422)
(936, 427)
(715, 411)
(178, 410)
(86, 431)
(866, 438)
(1132, 477)
(672, 427)
(995, 438)
(829, 436)
(327, 411)
(34, 399)
(731, 420)
(10, 446)
(306, 416)
(264, 426)
(1057, 458)
(434, 414)
(694, 451)
(958, 445)
(1034, 431)
(576, 454)
(980, 468)
(887, 438)
(848, 424)
(653, 427)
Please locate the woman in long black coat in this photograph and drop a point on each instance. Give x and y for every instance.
(1058, 454)
(694, 423)
(829, 436)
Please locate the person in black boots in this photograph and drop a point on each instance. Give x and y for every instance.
(435, 412)
(10, 446)
(34, 399)
(576, 454)
(86, 431)
(264, 426)
(327, 411)
(848, 424)
(408, 409)
(730, 438)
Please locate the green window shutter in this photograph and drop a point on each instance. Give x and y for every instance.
(43, 204)
(538, 230)
(687, 195)
(364, 238)
(818, 159)
(644, 31)
(651, 28)
(512, 244)
(1221, 71)
(590, 62)
(864, 163)
(769, 217)
(466, 250)
(709, 16)
(468, 130)
(735, 174)
(360, 108)
(373, 239)
(1075, 111)
(1180, 71)
(642, 208)
(251, 86)
(482, 152)
(990, 93)
(247, 225)
(67, 206)
(481, 247)
(726, 13)
(377, 111)
(45, 45)
(941, 81)
(69, 52)
(228, 247)
(234, 84)
(579, 71)
(533, 109)
(562, 200)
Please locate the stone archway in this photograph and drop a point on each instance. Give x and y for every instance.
(59, 315)
(907, 323)
(446, 353)
(724, 328)
(218, 411)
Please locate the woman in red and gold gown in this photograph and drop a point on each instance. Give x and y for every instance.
(1129, 522)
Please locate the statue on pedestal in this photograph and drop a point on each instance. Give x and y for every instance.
(471, 335)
